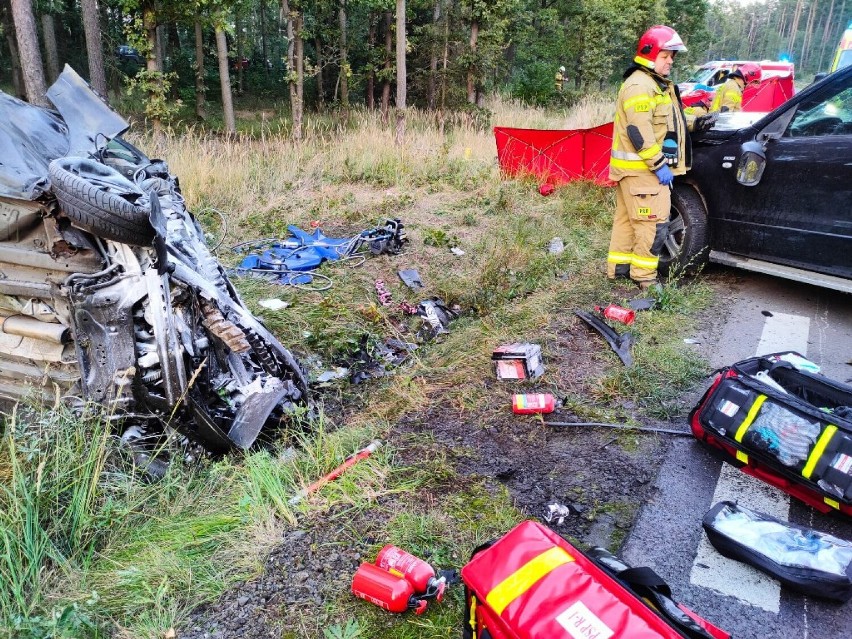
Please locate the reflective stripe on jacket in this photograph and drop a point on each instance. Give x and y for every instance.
(729, 96)
(651, 104)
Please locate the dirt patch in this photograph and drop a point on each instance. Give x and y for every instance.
(602, 476)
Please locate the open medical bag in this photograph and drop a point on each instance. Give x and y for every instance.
(533, 584)
(783, 424)
(811, 562)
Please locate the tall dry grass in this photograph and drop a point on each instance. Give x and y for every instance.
(269, 173)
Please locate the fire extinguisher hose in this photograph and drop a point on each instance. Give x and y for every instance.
(337, 472)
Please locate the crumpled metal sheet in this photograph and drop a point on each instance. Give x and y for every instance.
(32, 136)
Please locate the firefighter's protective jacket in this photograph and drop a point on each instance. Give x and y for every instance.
(729, 96)
(647, 112)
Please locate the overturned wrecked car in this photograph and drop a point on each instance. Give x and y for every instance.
(109, 293)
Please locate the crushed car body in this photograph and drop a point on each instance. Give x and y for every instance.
(109, 293)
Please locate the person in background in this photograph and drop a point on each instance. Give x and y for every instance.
(560, 78)
(729, 96)
(650, 146)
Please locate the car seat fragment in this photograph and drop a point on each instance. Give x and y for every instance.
(619, 343)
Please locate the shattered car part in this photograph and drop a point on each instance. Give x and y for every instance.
(619, 343)
(411, 278)
(109, 293)
(436, 317)
(556, 513)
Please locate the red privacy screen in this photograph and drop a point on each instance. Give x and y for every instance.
(555, 156)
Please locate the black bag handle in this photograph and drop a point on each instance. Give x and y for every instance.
(647, 584)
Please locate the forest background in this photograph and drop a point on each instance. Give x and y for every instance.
(186, 60)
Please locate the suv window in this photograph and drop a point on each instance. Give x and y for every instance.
(826, 113)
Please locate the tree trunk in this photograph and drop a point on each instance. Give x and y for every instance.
(29, 52)
(825, 36)
(433, 58)
(809, 31)
(782, 21)
(200, 88)
(9, 32)
(225, 81)
(387, 68)
(92, 29)
(320, 78)
(295, 65)
(263, 45)
(444, 68)
(752, 34)
(238, 27)
(152, 64)
(48, 30)
(161, 46)
(371, 73)
(401, 74)
(794, 27)
(471, 70)
(344, 58)
(299, 54)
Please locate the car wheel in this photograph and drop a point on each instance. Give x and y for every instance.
(100, 200)
(685, 249)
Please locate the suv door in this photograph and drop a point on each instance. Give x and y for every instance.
(799, 213)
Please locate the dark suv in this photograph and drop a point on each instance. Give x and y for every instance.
(126, 53)
(773, 195)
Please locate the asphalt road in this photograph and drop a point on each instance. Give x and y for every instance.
(766, 314)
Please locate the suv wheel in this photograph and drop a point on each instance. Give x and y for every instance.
(685, 249)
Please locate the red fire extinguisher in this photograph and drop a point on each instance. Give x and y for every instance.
(417, 572)
(386, 590)
(530, 403)
(617, 313)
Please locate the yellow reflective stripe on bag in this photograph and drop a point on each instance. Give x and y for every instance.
(741, 431)
(752, 413)
(525, 577)
(818, 450)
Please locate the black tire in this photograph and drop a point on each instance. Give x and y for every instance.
(686, 249)
(100, 200)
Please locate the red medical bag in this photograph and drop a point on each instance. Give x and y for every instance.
(532, 584)
(784, 424)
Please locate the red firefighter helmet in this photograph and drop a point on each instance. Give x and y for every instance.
(750, 72)
(656, 39)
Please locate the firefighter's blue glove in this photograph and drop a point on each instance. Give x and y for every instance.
(665, 175)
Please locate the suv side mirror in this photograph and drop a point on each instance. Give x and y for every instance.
(819, 76)
(752, 163)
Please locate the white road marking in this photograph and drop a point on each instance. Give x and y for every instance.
(781, 332)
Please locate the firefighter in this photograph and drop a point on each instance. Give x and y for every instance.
(650, 146)
(729, 96)
(560, 78)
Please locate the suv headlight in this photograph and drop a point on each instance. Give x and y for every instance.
(752, 163)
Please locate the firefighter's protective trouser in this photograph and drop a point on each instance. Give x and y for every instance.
(639, 227)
